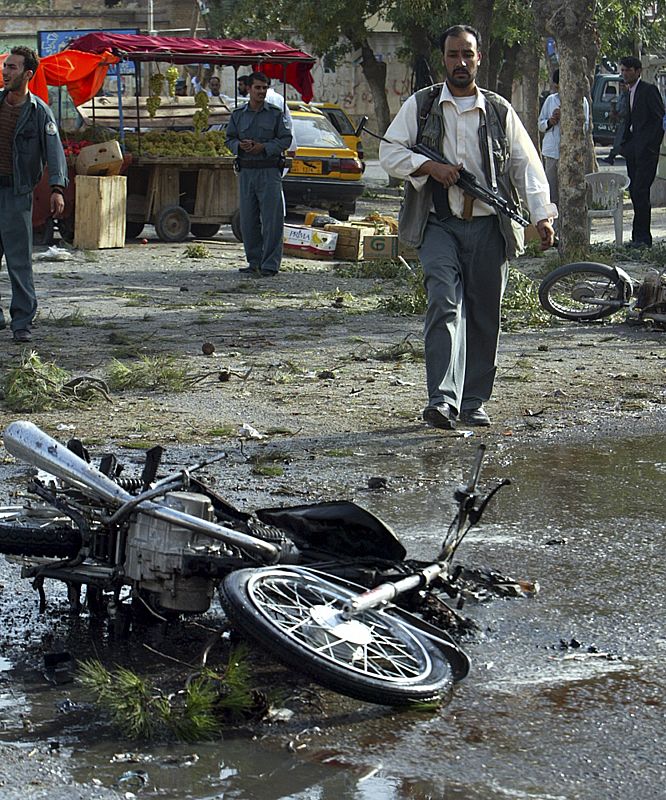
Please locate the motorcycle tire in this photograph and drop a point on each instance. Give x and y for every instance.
(375, 657)
(56, 541)
(577, 291)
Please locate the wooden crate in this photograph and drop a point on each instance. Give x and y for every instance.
(380, 247)
(100, 212)
(350, 241)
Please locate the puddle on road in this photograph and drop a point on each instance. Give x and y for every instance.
(538, 717)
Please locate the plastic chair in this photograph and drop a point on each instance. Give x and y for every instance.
(605, 192)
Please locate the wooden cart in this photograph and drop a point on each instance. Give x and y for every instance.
(197, 194)
(182, 195)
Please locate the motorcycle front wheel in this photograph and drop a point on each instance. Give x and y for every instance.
(585, 291)
(297, 616)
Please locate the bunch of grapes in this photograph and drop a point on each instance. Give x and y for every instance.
(154, 101)
(152, 104)
(156, 81)
(200, 120)
(179, 144)
(172, 76)
(201, 100)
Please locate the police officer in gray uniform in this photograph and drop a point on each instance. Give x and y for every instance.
(258, 134)
(28, 140)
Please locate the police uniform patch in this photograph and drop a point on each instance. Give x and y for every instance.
(51, 128)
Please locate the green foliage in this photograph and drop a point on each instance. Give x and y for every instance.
(624, 25)
(195, 713)
(76, 319)
(197, 251)
(521, 304)
(35, 385)
(410, 298)
(149, 372)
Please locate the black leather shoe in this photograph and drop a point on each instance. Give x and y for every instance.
(476, 417)
(441, 416)
(22, 336)
(248, 271)
(269, 273)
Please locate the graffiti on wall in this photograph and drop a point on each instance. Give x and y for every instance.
(345, 84)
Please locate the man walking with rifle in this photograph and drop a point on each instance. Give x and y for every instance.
(460, 209)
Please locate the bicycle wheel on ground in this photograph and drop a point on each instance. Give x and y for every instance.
(584, 291)
(297, 615)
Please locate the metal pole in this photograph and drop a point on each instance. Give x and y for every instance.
(151, 21)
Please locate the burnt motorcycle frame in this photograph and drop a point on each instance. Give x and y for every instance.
(352, 622)
(587, 291)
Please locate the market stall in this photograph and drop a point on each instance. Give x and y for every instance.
(182, 187)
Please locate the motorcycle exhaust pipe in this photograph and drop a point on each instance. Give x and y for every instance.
(27, 442)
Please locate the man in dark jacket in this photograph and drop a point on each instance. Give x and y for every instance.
(29, 139)
(643, 133)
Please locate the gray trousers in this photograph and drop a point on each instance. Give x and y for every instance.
(262, 217)
(16, 246)
(465, 273)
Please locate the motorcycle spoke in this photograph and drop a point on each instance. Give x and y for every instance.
(289, 604)
(582, 293)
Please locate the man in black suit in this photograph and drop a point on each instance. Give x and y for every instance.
(643, 133)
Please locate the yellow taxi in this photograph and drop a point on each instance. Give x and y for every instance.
(339, 119)
(324, 173)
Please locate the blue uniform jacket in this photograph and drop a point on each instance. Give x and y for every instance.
(268, 126)
(36, 144)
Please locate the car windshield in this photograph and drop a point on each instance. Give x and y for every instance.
(315, 131)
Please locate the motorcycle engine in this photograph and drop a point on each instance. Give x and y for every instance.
(155, 555)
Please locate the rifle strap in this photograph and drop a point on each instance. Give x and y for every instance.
(440, 195)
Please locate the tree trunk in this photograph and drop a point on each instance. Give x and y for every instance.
(507, 70)
(482, 20)
(528, 66)
(493, 57)
(375, 74)
(425, 61)
(572, 23)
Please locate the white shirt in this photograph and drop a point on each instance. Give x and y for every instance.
(461, 126)
(551, 141)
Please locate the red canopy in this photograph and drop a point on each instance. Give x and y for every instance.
(82, 73)
(276, 59)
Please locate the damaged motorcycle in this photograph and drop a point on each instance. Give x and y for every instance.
(326, 588)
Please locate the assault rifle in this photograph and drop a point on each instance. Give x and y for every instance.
(468, 183)
(466, 180)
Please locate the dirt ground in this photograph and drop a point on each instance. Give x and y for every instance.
(308, 370)
(312, 360)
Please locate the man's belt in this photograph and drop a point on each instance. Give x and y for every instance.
(6, 180)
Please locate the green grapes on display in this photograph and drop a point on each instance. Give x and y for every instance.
(172, 76)
(178, 144)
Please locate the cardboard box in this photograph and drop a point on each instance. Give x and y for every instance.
(100, 159)
(386, 247)
(304, 242)
(350, 241)
(101, 208)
